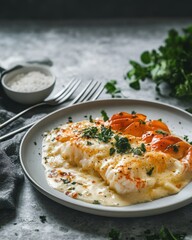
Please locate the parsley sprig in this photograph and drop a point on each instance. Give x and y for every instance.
(169, 64)
(122, 144)
(112, 89)
(139, 150)
(186, 138)
(105, 134)
(93, 132)
(90, 132)
(104, 115)
(163, 234)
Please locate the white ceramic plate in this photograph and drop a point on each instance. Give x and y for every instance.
(30, 153)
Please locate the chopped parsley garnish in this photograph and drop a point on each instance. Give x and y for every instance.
(175, 148)
(104, 115)
(90, 118)
(112, 89)
(45, 159)
(90, 132)
(139, 150)
(150, 171)
(114, 234)
(186, 138)
(105, 134)
(93, 132)
(111, 151)
(142, 122)
(43, 219)
(143, 149)
(89, 143)
(164, 234)
(70, 120)
(65, 181)
(161, 132)
(122, 144)
(96, 202)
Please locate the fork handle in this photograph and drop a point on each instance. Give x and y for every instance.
(20, 114)
(16, 131)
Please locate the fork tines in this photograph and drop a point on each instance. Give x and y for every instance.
(91, 91)
(70, 89)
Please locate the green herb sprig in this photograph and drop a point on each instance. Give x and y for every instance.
(122, 144)
(90, 132)
(139, 150)
(104, 115)
(114, 234)
(186, 138)
(163, 234)
(105, 134)
(93, 132)
(170, 64)
(112, 89)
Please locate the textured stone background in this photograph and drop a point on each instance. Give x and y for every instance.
(99, 50)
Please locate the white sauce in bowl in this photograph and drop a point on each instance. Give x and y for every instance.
(30, 82)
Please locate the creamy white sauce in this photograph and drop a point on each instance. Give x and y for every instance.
(78, 184)
(29, 82)
(92, 189)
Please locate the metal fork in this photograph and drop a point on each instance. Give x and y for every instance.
(59, 98)
(91, 92)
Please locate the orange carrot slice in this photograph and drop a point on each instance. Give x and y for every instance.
(158, 125)
(136, 129)
(121, 123)
(121, 115)
(150, 136)
(177, 150)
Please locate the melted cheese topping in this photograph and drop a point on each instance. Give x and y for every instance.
(84, 167)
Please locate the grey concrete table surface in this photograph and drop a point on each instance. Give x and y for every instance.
(99, 50)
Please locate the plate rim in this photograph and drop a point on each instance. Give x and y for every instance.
(109, 211)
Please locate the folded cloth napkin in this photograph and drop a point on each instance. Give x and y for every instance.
(11, 174)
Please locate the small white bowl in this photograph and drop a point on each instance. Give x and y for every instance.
(28, 97)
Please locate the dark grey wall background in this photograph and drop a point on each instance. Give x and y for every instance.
(74, 9)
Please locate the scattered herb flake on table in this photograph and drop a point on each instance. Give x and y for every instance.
(112, 89)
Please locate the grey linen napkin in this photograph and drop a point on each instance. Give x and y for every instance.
(11, 174)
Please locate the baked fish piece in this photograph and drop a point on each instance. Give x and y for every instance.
(130, 154)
